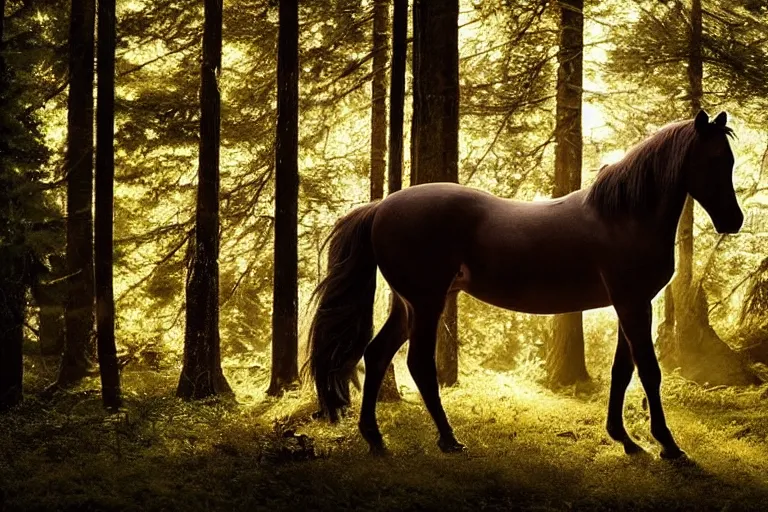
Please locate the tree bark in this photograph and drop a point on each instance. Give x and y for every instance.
(11, 331)
(389, 391)
(379, 98)
(201, 375)
(285, 339)
(397, 94)
(11, 277)
(103, 235)
(687, 340)
(684, 276)
(676, 314)
(435, 135)
(565, 357)
(79, 309)
(415, 98)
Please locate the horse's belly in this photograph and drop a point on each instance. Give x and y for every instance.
(543, 294)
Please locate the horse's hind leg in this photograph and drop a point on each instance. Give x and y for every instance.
(636, 322)
(421, 363)
(621, 375)
(378, 356)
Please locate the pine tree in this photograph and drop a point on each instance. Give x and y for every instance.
(435, 132)
(285, 338)
(103, 234)
(565, 357)
(78, 353)
(202, 375)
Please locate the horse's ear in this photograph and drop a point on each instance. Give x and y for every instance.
(721, 119)
(701, 121)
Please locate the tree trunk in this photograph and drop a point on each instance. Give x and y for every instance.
(415, 98)
(676, 314)
(436, 131)
(397, 94)
(687, 340)
(684, 275)
(285, 338)
(202, 375)
(379, 98)
(79, 315)
(565, 357)
(11, 277)
(389, 391)
(103, 234)
(11, 331)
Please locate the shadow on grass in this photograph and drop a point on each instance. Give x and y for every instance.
(164, 454)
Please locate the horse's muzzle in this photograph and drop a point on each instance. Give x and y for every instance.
(731, 225)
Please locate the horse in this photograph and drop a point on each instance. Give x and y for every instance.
(611, 244)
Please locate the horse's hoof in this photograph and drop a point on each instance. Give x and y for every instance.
(373, 437)
(673, 453)
(632, 448)
(451, 446)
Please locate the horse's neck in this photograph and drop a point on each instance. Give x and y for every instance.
(668, 213)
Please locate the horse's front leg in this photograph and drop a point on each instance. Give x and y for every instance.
(621, 375)
(635, 321)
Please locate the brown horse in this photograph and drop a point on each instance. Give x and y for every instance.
(610, 244)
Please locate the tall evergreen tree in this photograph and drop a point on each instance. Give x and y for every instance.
(29, 226)
(285, 338)
(11, 266)
(565, 357)
(380, 43)
(103, 228)
(202, 375)
(79, 308)
(677, 292)
(687, 309)
(397, 94)
(668, 51)
(379, 98)
(695, 68)
(435, 132)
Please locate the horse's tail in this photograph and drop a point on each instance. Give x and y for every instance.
(343, 324)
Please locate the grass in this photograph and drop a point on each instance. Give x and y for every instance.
(529, 449)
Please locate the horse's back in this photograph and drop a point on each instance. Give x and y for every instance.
(429, 237)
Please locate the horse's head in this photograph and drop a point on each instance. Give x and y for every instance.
(709, 173)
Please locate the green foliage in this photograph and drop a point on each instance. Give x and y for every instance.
(30, 227)
(507, 75)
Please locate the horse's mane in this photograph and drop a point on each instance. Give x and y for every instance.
(648, 172)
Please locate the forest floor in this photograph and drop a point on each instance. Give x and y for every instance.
(529, 449)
